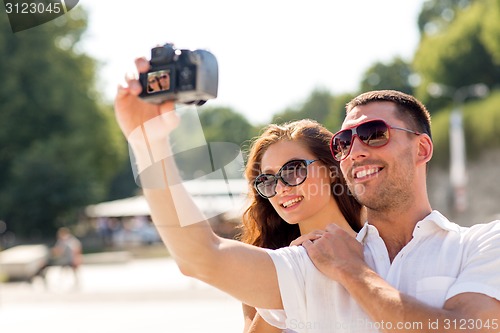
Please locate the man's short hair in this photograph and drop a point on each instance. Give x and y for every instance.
(411, 110)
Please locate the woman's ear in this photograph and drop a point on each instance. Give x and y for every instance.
(425, 148)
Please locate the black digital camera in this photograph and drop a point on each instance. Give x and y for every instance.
(185, 76)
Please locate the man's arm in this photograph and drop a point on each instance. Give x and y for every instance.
(246, 272)
(339, 256)
(470, 312)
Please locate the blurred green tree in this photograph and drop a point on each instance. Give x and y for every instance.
(436, 15)
(394, 75)
(464, 52)
(317, 106)
(223, 124)
(59, 143)
(490, 34)
(337, 114)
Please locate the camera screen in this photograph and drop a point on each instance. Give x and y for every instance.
(158, 81)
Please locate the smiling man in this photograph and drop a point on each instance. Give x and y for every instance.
(415, 270)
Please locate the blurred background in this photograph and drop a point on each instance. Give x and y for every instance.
(64, 162)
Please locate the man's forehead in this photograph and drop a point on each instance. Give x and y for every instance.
(374, 110)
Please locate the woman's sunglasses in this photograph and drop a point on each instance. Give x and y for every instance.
(292, 173)
(373, 133)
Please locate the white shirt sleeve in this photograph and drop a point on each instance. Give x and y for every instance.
(480, 272)
(290, 268)
(276, 318)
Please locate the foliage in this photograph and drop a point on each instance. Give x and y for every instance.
(222, 124)
(223, 127)
(490, 34)
(458, 55)
(322, 106)
(436, 15)
(395, 75)
(59, 146)
(482, 125)
(123, 184)
(317, 107)
(481, 121)
(337, 114)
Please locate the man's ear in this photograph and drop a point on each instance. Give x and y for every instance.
(425, 148)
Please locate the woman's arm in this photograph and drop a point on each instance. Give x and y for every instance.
(249, 313)
(244, 271)
(254, 323)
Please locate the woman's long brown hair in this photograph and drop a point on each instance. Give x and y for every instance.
(262, 226)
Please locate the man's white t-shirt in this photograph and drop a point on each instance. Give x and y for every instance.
(442, 260)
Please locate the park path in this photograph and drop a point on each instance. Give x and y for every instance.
(141, 295)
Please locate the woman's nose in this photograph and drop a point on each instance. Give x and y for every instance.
(281, 186)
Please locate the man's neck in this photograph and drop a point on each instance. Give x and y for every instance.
(396, 227)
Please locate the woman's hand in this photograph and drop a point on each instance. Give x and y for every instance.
(312, 236)
(131, 111)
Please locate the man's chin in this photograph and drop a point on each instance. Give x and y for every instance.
(359, 191)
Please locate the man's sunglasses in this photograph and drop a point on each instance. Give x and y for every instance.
(373, 133)
(292, 173)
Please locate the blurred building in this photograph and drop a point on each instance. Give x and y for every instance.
(128, 222)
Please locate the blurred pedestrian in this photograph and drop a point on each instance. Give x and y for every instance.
(67, 252)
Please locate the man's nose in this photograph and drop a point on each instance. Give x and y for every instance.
(358, 149)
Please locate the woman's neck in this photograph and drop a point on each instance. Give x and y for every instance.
(323, 218)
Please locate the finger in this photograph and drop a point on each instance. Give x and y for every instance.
(122, 91)
(332, 227)
(142, 64)
(308, 245)
(299, 240)
(319, 233)
(134, 86)
(130, 77)
(312, 236)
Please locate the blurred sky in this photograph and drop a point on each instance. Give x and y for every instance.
(271, 54)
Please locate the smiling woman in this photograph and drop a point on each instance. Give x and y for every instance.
(297, 188)
(299, 153)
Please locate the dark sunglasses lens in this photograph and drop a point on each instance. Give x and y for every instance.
(294, 173)
(373, 133)
(266, 185)
(341, 144)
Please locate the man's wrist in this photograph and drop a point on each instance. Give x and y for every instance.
(352, 273)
